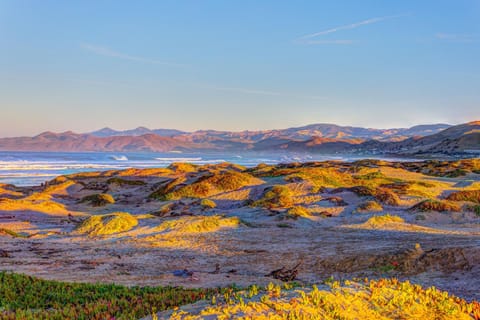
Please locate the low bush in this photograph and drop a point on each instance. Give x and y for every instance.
(436, 205)
(107, 224)
(465, 195)
(277, 196)
(98, 200)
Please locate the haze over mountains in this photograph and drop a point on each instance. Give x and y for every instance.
(315, 138)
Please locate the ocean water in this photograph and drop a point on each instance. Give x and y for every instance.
(34, 168)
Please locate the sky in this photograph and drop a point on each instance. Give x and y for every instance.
(236, 65)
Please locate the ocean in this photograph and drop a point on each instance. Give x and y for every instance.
(34, 168)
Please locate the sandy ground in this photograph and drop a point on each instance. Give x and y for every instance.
(448, 257)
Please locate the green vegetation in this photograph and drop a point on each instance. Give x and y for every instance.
(98, 200)
(436, 205)
(212, 183)
(475, 209)
(126, 182)
(277, 196)
(450, 169)
(208, 204)
(28, 298)
(380, 299)
(198, 224)
(107, 224)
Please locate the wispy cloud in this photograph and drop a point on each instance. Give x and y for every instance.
(455, 37)
(107, 52)
(312, 37)
(265, 92)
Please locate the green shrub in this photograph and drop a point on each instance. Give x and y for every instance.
(125, 182)
(98, 200)
(277, 196)
(107, 224)
(29, 298)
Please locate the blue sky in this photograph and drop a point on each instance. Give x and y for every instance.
(234, 65)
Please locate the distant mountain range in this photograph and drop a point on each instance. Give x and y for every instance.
(315, 138)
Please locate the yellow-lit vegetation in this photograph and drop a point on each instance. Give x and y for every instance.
(298, 212)
(375, 299)
(182, 167)
(35, 203)
(213, 183)
(208, 204)
(277, 196)
(378, 221)
(197, 224)
(112, 223)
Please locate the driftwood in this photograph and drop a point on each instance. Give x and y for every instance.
(285, 274)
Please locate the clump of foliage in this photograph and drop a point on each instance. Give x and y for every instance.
(383, 220)
(208, 204)
(370, 206)
(371, 176)
(375, 299)
(165, 188)
(27, 298)
(125, 182)
(277, 196)
(465, 195)
(198, 224)
(182, 167)
(107, 224)
(98, 200)
(298, 212)
(213, 183)
(436, 205)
